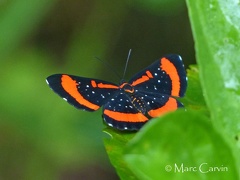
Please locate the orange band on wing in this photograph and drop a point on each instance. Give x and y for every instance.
(149, 74)
(171, 70)
(70, 86)
(143, 78)
(125, 117)
(101, 85)
(93, 83)
(171, 105)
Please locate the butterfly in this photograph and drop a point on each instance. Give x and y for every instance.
(129, 105)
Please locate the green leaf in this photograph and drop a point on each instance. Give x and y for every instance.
(180, 145)
(194, 96)
(216, 31)
(114, 147)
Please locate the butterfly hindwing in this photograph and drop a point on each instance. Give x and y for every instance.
(83, 93)
(164, 76)
(120, 113)
(158, 104)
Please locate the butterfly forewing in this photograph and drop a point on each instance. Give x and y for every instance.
(164, 76)
(83, 93)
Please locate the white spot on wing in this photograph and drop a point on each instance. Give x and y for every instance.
(110, 124)
(65, 99)
(180, 58)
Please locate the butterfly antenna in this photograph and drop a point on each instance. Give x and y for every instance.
(108, 66)
(125, 69)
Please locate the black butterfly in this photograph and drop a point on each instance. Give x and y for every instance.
(130, 105)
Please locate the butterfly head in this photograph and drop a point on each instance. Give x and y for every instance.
(127, 88)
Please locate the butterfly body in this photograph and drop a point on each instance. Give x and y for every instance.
(130, 105)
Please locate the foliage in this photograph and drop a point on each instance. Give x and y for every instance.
(42, 137)
(201, 135)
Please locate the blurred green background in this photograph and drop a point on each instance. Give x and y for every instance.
(43, 137)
